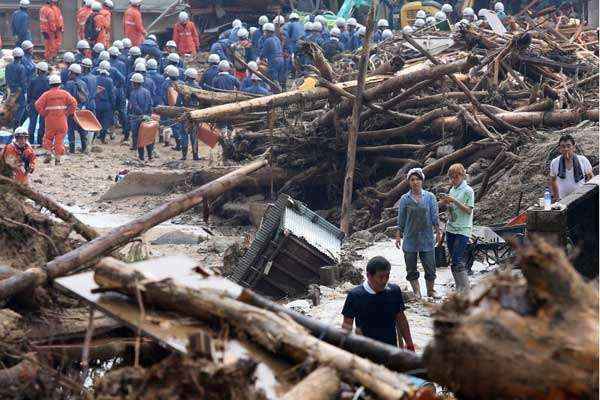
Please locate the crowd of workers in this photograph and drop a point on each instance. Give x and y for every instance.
(120, 81)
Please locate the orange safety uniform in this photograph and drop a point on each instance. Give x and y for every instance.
(20, 160)
(133, 26)
(55, 105)
(60, 27)
(102, 25)
(186, 37)
(82, 16)
(48, 27)
(108, 17)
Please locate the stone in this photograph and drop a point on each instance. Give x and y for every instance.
(177, 237)
(301, 306)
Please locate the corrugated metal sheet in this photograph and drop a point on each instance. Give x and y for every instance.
(303, 223)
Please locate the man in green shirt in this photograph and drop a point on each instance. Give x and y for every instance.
(460, 203)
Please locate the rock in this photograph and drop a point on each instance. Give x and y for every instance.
(177, 237)
(96, 149)
(363, 236)
(301, 306)
(443, 151)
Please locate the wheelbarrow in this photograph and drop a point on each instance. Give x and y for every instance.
(493, 243)
(87, 121)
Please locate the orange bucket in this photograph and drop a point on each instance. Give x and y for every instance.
(147, 133)
(207, 135)
(87, 121)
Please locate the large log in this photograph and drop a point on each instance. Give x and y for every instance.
(227, 111)
(321, 384)
(276, 333)
(523, 119)
(121, 235)
(212, 97)
(532, 338)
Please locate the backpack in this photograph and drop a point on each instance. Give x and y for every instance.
(89, 29)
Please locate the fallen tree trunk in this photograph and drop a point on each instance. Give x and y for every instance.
(84, 230)
(277, 333)
(523, 119)
(228, 111)
(533, 338)
(321, 384)
(435, 168)
(119, 236)
(390, 148)
(211, 97)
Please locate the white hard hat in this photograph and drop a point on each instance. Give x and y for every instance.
(214, 58)
(75, 68)
(268, 27)
(407, 30)
(18, 52)
(362, 30)
(88, 3)
(98, 47)
(383, 23)
(135, 2)
(152, 64)
(447, 8)
(321, 19)
(109, 3)
(242, 33)
(152, 37)
(171, 43)
(236, 23)
(386, 34)
(42, 66)
(137, 78)
(96, 6)
(335, 32)
(118, 44)
(468, 12)
(440, 16)
(421, 14)
(172, 71)
(135, 51)
(82, 45)
(24, 3)
(294, 16)
(224, 65)
(252, 30)
(263, 19)
(21, 131)
(26, 45)
(430, 20)
(139, 60)
(105, 55)
(86, 62)
(140, 67)
(252, 65)
(68, 57)
(419, 23)
(340, 22)
(54, 79)
(126, 42)
(351, 22)
(279, 20)
(308, 26)
(173, 57)
(191, 73)
(183, 16)
(463, 23)
(113, 51)
(105, 65)
(317, 26)
(499, 7)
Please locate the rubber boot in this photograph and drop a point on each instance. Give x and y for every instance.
(462, 282)
(430, 289)
(416, 288)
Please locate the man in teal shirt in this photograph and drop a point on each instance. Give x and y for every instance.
(460, 203)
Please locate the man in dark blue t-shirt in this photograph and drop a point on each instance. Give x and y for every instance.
(378, 307)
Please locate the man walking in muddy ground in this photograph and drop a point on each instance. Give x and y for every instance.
(378, 307)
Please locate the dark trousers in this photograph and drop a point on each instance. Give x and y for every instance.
(188, 137)
(106, 118)
(33, 118)
(457, 246)
(149, 150)
(73, 127)
(427, 260)
(134, 126)
(122, 114)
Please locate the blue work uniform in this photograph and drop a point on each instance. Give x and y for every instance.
(19, 24)
(257, 88)
(17, 80)
(106, 100)
(377, 36)
(332, 47)
(187, 131)
(293, 30)
(78, 89)
(158, 80)
(90, 81)
(225, 81)
(256, 39)
(208, 77)
(356, 42)
(29, 65)
(176, 127)
(148, 84)
(38, 86)
(140, 104)
(118, 71)
(150, 48)
(273, 52)
(220, 48)
(346, 39)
